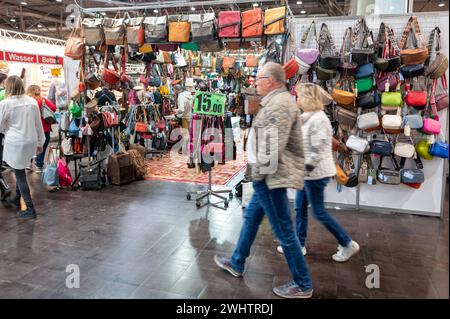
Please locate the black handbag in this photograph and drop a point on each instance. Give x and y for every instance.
(363, 50)
(329, 57)
(413, 70)
(388, 61)
(383, 148)
(413, 175)
(91, 177)
(368, 100)
(325, 74)
(389, 176)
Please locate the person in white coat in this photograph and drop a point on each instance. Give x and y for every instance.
(185, 102)
(319, 168)
(20, 121)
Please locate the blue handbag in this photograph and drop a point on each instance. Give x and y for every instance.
(51, 176)
(365, 71)
(439, 149)
(414, 121)
(74, 129)
(383, 148)
(410, 71)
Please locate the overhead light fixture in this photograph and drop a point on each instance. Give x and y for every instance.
(39, 25)
(155, 11)
(12, 20)
(192, 8)
(303, 12)
(299, 2)
(103, 13)
(58, 0)
(256, 5)
(23, 3)
(441, 4)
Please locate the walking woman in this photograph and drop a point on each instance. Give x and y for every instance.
(319, 168)
(34, 91)
(20, 121)
(5, 191)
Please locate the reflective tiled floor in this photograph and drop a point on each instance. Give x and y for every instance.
(145, 240)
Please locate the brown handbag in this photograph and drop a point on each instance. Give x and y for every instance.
(251, 61)
(93, 31)
(345, 118)
(179, 31)
(418, 54)
(439, 65)
(114, 30)
(135, 31)
(228, 62)
(252, 23)
(275, 21)
(75, 45)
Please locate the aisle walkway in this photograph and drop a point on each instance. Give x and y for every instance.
(144, 240)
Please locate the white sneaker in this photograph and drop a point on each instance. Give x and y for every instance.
(304, 251)
(344, 253)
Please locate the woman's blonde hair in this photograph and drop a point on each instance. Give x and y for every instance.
(312, 97)
(14, 86)
(32, 89)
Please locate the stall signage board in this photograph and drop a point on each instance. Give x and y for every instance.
(206, 103)
(20, 57)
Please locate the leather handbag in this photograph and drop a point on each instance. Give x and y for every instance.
(419, 53)
(368, 100)
(275, 21)
(364, 71)
(304, 52)
(229, 24)
(392, 121)
(203, 27)
(423, 149)
(388, 176)
(114, 30)
(412, 70)
(357, 144)
(93, 31)
(155, 29)
(412, 176)
(439, 149)
(228, 62)
(345, 117)
(329, 57)
(112, 77)
(75, 45)
(388, 65)
(290, 68)
(252, 23)
(368, 121)
(341, 177)
(406, 150)
(135, 31)
(439, 101)
(302, 66)
(347, 68)
(391, 99)
(390, 78)
(388, 51)
(431, 126)
(439, 65)
(179, 31)
(342, 97)
(362, 50)
(338, 146)
(325, 74)
(364, 84)
(251, 61)
(383, 148)
(417, 99)
(414, 121)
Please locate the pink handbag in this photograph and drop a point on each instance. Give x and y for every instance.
(65, 178)
(308, 55)
(391, 78)
(431, 126)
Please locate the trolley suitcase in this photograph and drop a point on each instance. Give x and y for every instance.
(120, 169)
(91, 178)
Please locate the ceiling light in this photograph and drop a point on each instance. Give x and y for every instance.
(12, 20)
(192, 8)
(39, 25)
(299, 2)
(442, 4)
(58, 0)
(155, 11)
(303, 12)
(103, 14)
(23, 3)
(256, 5)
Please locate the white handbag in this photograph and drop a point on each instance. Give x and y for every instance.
(357, 144)
(303, 67)
(64, 121)
(406, 150)
(66, 146)
(368, 121)
(392, 121)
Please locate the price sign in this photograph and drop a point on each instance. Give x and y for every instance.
(207, 103)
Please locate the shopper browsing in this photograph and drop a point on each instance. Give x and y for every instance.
(4, 187)
(278, 166)
(319, 166)
(34, 91)
(20, 121)
(185, 102)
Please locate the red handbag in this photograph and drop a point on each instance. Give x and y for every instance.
(416, 99)
(290, 68)
(111, 77)
(229, 24)
(252, 23)
(141, 127)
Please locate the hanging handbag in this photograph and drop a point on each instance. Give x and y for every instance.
(357, 144)
(135, 31)
(368, 121)
(228, 62)
(391, 79)
(439, 65)
(114, 30)
(345, 117)
(419, 53)
(381, 147)
(112, 77)
(73, 128)
(414, 121)
(47, 113)
(362, 50)
(439, 149)
(75, 45)
(341, 177)
(155, 29)
(392, 121)
(412, 70)
(64, 176)
(431, 126)
(329, 57)
(391, 99)
(75, 110)
(439, 101)
(290, 68)
(66, 146)
(93, 31)
(229, 24)
(416, 99)
(388, 51)
(64, 121)
(325, 74)
(347, 68)
(423, 149)
(368, 100)
(252, 23)
(404, 149)
(388, 176)
(364, 85)
(275, 21)
(251, 61)
(50, 176)
(304, 52)
(179, 30)
(203, 26)
(363, 172)
(365, 71)
(344, 98)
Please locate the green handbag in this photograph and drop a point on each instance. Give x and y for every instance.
(364, 84)
(391, 98)
(422, 148)
(191, 46)
(75, 110)
(325, 74)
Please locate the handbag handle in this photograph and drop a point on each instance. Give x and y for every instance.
(361, 35)
(412, 22)
(306, 33)
(434, 42)
(326, 40)
(346, 53)
(394, 161)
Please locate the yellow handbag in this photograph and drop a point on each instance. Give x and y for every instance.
(274, 21)
(145, 48)
(179, 31)
(341, 177)
(344, 98)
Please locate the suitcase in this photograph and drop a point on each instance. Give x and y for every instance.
(139, 148)
(91, 178)
(120, 169)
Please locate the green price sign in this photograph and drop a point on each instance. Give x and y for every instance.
(207, 103)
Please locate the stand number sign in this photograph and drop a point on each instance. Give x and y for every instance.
(207, 103)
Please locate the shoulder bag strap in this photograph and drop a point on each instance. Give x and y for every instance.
(393, 42)
(406, 32)
(345, 54)
(306, 33)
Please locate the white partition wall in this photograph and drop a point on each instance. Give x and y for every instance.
(428, 200)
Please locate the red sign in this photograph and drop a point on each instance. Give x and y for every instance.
(2, 56)
(20, 57)
(45, 59)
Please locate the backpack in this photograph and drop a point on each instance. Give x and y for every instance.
(140, 168)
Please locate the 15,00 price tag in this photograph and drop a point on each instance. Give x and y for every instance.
(207, 103)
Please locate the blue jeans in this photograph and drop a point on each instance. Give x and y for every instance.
(314, 191)
(40, 157)
(273, 203)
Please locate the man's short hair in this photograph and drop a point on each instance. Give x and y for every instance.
(276, 71)
(178, 87)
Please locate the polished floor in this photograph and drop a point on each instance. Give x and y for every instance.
(145, 240)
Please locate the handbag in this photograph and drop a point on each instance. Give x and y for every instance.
(418, 54)
(364, 84)
(345, 117)
(73, 128)
(362, 50)
(229, 24)
(341, 177)
(329, 57)
(423, 149)
(391, 99)
(392, 121)
(155, 29)
(303, 53)
(390, 79)
(93, 31)
(325, 74)
(431, 126)
(112, 77)
(251, 61)
(357, 144)
(368, 100)
(437, 67)
(64, 176)
(439, 149)
(75, 45)
(364, 71)
(347, 68)
(203, 27)
(388, 176)
(344, 98)
(291, 68)
(252, 23)
(302, 66)
(50, 176)
(228, 62)
(414, 121)
(416, 99)
(275, 21)
(64, 121)
(406, 150)
(380, 147)
(368, 121)
(412, 70)
(412, 177)
(135, 31)
(363, 173)
(114, 30)
(388, 51)
(179, 31)
(47, 114)
(75, 110)
(66, 147)
(439, 101)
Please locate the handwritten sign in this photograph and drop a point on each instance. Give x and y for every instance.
(207, 103)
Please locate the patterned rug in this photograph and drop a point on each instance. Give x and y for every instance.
(174, 168)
